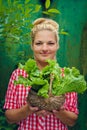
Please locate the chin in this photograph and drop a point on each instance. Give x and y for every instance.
(44, 59)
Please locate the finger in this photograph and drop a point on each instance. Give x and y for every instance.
(62, 108)
(33, 108)
(54, 111)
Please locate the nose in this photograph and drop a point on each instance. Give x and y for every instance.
(44, 47)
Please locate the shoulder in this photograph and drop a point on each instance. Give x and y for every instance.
(71, 96)
(17, 72)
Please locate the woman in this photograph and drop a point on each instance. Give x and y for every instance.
(45, 43)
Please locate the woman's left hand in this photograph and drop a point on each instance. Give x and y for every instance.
(57, 112)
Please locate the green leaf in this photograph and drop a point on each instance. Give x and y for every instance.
(64, 33)
(21, 80)
(53, 10)
(27, 1)
(46, 12)
(37, 8)
(64, 80)
(9, 2)
(44, 91)
(47, 4)
(0, 3)
(16, 18)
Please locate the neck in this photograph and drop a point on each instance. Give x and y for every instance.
(41, 65)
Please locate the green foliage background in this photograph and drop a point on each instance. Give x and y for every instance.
(16, 17)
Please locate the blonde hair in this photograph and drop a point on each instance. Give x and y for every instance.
(45, 24)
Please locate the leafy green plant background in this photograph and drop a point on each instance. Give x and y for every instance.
(16, 17)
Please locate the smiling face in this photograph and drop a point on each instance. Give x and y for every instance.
(44, 46)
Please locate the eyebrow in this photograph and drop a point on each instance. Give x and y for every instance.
(38, 41)
(43, 41)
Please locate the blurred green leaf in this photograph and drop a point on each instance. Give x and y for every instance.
(53, 10)
(3, 123)
(46, 12)
(27, 1)
(47, 4)
(37, 8)
(63, 32)
(15, 19)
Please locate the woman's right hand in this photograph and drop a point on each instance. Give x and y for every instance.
(32, 109)
(37, 111)
(16, 115)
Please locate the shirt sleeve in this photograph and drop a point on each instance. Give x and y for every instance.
(71, 102)
(14, 98)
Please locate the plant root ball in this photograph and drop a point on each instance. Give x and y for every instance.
(49, 104)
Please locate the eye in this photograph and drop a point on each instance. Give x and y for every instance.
(38, 43)
(51, 43)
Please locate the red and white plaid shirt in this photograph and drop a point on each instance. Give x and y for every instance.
(16, 98)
